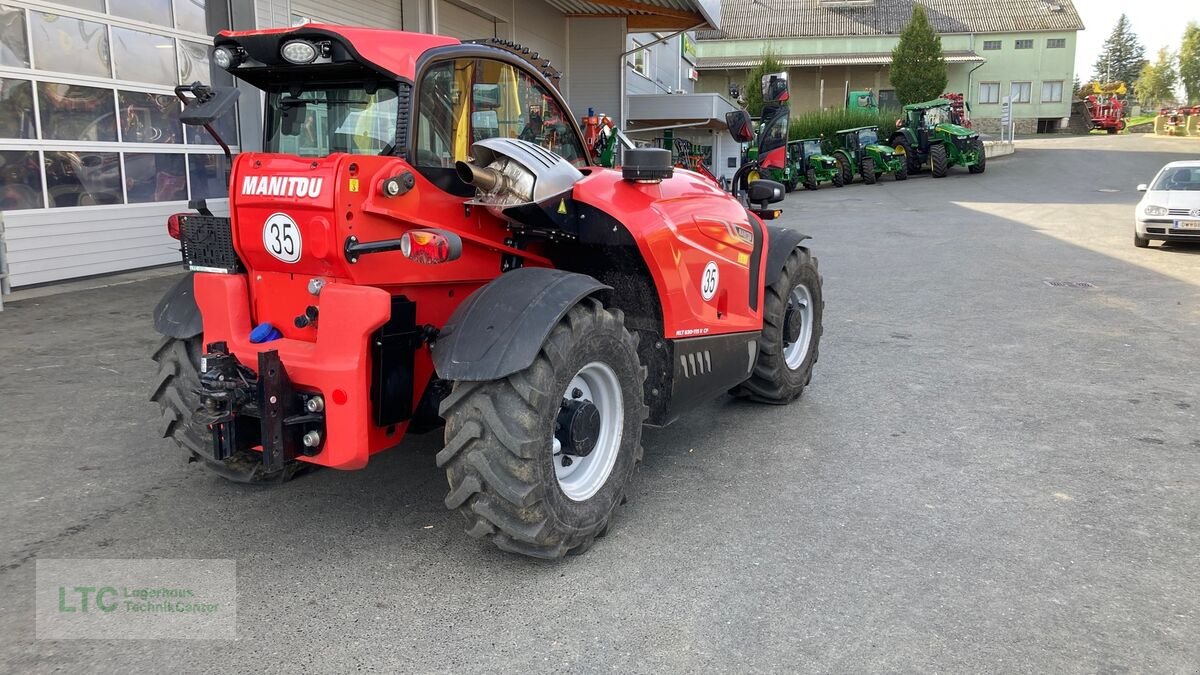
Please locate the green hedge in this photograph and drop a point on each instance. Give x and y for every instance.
(827, 123)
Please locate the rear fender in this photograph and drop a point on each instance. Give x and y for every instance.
(177, 314)
(781, 243)
(499, 329)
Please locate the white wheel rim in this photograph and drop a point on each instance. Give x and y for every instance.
(583, 477)
(794, 353)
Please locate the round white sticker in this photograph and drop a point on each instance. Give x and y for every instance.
(710, 280)
(281, 237)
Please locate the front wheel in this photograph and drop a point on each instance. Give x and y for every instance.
(981, 165)
(837, 179)
(901, 172)
(938, 161)
(903, 147)
(538, 461)
(791, 334)
(867, 168)
(1139, 241)
(810, 179)
(844, 168)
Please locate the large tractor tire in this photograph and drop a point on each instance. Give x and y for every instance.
(901, 173)
(845, 169)
(837, 179)
(900, 142)
(810, 179)
(175, 393)
(981, 165)
(788, 346)
(538, 461)
(938, 161)
(867, 170)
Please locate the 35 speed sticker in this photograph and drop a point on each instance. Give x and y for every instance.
(281, 237)
(710, 280)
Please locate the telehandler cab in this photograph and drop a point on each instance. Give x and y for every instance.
(424, 238)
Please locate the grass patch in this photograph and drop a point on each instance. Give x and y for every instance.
(826, 123)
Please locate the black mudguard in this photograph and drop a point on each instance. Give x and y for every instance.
(177, 315)
(781, 242)
(499, 329)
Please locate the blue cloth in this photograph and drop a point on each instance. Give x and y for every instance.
(264, 332)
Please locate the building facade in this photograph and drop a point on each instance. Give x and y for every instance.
(1022, 49)
(93, 158)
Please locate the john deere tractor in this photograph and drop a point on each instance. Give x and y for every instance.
(812, 165)
(926, 134)
(860, 150)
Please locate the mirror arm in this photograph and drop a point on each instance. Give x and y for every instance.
(199, 92)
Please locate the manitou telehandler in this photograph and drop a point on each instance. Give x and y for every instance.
(425, 239)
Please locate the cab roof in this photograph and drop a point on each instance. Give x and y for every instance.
(926, 105)
(848, 131)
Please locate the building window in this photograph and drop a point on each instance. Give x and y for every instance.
(989, 92)
(1052, 92)
(641, 61)
(991, 45)
(1056, 43)
(1024, 44)
(1020, 92)
(107, 84)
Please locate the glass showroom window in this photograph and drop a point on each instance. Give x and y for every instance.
(117, 97)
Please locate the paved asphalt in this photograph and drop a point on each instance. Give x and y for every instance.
(988, 474)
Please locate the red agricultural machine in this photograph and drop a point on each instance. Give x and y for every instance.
(960, 112)
(1106, 108)
(425, 241)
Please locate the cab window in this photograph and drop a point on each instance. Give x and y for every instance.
(467, 100)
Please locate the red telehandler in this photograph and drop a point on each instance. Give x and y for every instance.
(424, 240)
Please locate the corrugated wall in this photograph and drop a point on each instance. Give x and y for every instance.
(594, 52)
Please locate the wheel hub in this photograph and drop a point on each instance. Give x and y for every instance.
(577, 427)
(793, 323)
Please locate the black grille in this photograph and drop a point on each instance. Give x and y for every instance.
(208, 244)
(403, 107)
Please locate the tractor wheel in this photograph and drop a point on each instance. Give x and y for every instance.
(900, 142)
(789, 186)
(981, 165)
(1112, 131)
(175, 393)
(1140, 242)
(538, 461)
(837, 179)
(810, 179)
(867, 170)
(845, 169)
(791, 334)
(938, 160)
(901, 172)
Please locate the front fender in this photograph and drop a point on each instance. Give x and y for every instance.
(177, 314)
(499, 329)
(780, 243)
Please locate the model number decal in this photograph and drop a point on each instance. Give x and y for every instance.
(281, 237)
(709, 281)
(691, 331)
(282, 186)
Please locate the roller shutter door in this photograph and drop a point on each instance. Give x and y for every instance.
(369, 13)
(457, 22)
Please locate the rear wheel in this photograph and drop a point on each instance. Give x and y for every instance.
(1140, 242)
(981, 165)
(538, 461)
(791, 335)
(867, 170)
(810, 179)
(175, 388)
(938, 162)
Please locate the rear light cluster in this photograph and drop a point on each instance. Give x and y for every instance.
(429, 247)
(175, 225)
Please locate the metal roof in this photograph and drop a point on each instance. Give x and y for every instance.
(757, 19)
(857, 59)
(647, 15)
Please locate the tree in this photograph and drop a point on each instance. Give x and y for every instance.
(752, 90)
(1189, 62)
(1123, 55)
(918, 66)
(1076, 86)
(1156, 84)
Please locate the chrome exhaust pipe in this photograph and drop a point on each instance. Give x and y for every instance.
(485, 178)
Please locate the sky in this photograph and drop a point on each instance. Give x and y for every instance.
(1157, 23)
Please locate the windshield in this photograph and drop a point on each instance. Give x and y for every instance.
(1179, 178)
(867, 137)
(321, 120)
(812, 148)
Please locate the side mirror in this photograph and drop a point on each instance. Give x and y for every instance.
(765, 192)
(206, 103)
(740, 126)
(1143, 187)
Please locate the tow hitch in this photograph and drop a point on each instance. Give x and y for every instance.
(245, 410)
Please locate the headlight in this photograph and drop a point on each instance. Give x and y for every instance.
(298, 52)
(225, 58)
(1154, 211)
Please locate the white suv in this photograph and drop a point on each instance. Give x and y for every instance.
(1170, 209)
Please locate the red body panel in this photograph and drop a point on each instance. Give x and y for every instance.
(395, 51)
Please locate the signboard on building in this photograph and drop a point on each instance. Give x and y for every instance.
(687, 48)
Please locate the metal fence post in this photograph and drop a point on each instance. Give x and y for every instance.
(4, 287)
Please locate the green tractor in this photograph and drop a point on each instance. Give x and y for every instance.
(927, 134)
(812, 165)
(860, 150)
